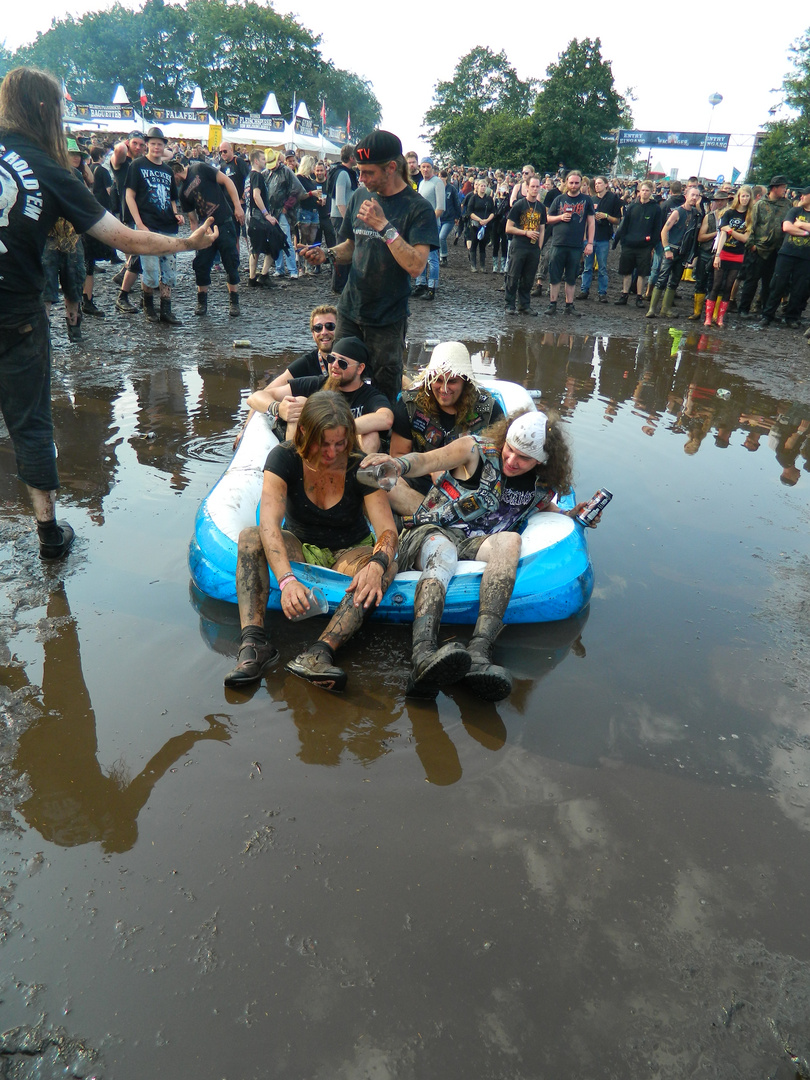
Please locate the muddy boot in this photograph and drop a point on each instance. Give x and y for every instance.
(55, 541)
(256, 654)
(166, 312)
(317, 666)
(434, 667)
(74, 330)
(722, 314)
(124, 305)
(89, 307)
(700, 300)
(667, 302)
(149, 308)
(622, 301)
(202, 304)
(473, 266)
(233, 305)
(486, 680)
(655, 300)
(709, 312)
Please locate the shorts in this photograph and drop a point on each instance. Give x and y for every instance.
(159, 269)
(321, 556)
(639, 259)
(564, 264)
(308, 217)
(411, 541)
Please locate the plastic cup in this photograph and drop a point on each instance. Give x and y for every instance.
(318, 605)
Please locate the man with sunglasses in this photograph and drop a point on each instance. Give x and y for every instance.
(322, 323)
(349, 361)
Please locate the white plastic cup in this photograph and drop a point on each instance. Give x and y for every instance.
(318, 605)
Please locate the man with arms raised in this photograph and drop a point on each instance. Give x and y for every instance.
(387, 234)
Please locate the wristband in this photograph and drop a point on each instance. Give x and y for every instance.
(381, 559)
(285, 581)
(667, 247)
(404, 465)
(273, 410)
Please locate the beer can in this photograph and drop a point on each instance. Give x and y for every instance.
(595, 507)
(241, 343)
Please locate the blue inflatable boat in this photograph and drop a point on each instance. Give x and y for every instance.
(554, 579)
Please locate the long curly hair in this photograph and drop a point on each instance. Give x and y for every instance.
(465, 406)
(31, 105)
(558, 472)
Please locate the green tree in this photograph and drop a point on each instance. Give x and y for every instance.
(508, 142)
(786, 146)
(577, 106)
(484, 84)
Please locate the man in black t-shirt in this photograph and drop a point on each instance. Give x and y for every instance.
(124, 153)
(349, 361)
(386, 235)
(525, 226)
(608, 213)
(152, 202)
(792, 271)
(572, 216)
(205, 192)
(36, 188)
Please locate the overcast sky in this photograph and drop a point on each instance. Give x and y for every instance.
(670, 61)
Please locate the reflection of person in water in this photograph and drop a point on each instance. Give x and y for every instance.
(72, 801)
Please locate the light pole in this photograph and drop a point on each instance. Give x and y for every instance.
(714, 99)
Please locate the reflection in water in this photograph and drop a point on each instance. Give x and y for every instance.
(72, 801)
(367, 723)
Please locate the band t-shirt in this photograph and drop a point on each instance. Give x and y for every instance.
(526, 215)
(733, 250)
(34, 192)
(155, 190)
(342, 525)
(201, 193)
(571, 233)
(362, 401)
(797, 246)
(377, 291)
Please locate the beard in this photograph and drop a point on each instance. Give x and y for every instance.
(332, 383)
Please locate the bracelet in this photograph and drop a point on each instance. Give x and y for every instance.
(330, 256)
(274, 406)
(381, 559)
(404, 465)
(285, 581)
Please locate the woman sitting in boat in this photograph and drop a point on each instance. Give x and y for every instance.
(490, 485)
(443, 405)
(311, 484)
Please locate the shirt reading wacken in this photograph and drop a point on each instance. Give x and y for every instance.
(529, 216)
(201, 193)
(155, 190)
(34, 192)
(378, 288)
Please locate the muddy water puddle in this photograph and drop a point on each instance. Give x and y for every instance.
(605, 875)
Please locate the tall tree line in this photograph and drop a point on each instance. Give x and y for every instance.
(240, 51)
(786, 146)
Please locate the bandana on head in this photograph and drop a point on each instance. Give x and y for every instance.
(527, 435)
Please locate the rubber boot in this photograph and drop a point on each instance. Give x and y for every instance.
(434, 667)
(486, 680)
(722, 313)
(700, 300)
(667, 302)
(473, 266)
(655, 300)
(166, 312)
(233, 304)
(74, 330)
(710, 305)
(717, 304)
(202, 304)
(149, 308)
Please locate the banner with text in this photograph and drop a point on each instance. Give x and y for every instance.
(677, 140)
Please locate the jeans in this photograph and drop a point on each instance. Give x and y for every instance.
(25, 400)
(600, 252)
(387, 347)
(445, 229)
(523, 261)
(430, 275)
(791, 275)
(289, 256)
(225, 246)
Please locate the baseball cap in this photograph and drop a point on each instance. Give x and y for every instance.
(378, 148)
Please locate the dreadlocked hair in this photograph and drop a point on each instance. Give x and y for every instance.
(558, 472)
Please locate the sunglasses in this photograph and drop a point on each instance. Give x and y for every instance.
(316, 329)
(341, 361)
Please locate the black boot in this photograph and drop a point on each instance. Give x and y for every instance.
(124, 305)
(256, 654)
(166, 312)
(486, 680)
(202, 304)
(89, 307)
(622, 301)
(233, 304)
(55, 541)
(434, 667)
(149, 308)
(74, 330)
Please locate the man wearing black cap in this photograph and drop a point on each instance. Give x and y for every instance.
(152, 201)
(349, 361)
(387, 234)
(764, 240)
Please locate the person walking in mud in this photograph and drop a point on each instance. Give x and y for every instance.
(511, 470)
(36, 188)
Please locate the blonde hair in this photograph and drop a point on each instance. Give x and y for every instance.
(306, 166)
